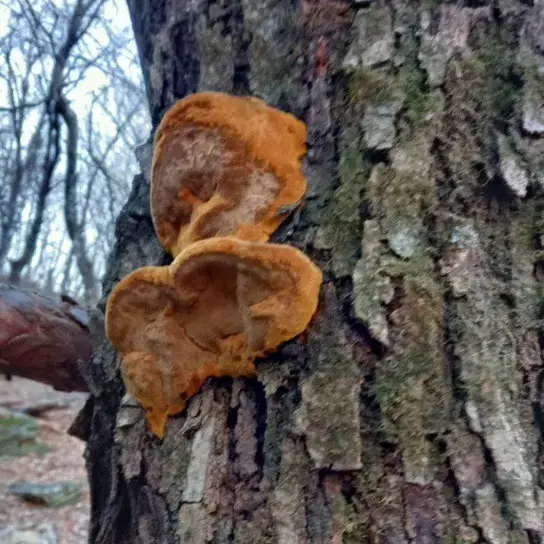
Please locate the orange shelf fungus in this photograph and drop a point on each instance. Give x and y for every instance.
(224, 165)
(226, 172)
(219, 305)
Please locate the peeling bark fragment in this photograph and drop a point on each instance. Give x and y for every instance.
(129, 412)
(457, 260)
(488, 513)
(372, 289)
(217, 497)
(437, 49)
(246, 441)
(129, 435)
(533, 152)
(194, 525)
(379, 124)
(273, 375)
(533, 98)
(329, 413)
(512, 170)
(477, 495)
(511, 458)
(531, 57)
(193, 489)
(374, 42)
(289, 495)
(486, 351)
(144, 156)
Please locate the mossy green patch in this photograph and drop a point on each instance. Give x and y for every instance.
(342, 225)
(417, 99)
(52, 495)
(369, 86)
(251, 531)
(410, 382)
(485, 345)
(525, 287)
(495, 62)
(347, 522)
(372, 289)
(482, 95)
(329, 414)
(400, 200)
(18, 434)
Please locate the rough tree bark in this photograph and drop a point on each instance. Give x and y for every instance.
(413, 409)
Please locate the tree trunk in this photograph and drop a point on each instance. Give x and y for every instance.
(412, 411)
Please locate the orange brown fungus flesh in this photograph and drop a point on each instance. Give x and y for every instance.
(224, 165)
(219, 305)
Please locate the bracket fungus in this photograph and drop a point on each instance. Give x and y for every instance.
(225, 165)
(226, 173)
(219, 305)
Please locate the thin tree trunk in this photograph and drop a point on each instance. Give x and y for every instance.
(75, 228)
(66, 284)
(412, 413)
(50, 162)
(11, 209)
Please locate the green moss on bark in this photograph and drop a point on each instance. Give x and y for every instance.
(341, 229)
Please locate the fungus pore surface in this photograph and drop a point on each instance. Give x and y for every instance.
(219, 305)
(224, 165)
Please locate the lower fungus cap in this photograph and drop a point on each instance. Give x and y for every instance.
(224, 165)
(219, 305)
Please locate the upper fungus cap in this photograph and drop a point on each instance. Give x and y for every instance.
(219, 305)
(224, 165)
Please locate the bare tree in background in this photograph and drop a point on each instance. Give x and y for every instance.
(73, 110)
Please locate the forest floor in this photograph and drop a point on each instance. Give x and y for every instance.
(58, 459)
